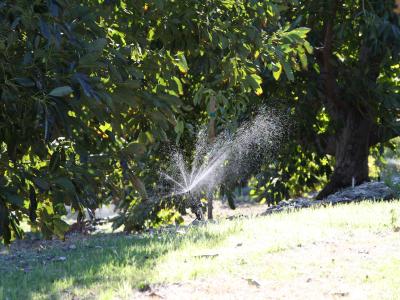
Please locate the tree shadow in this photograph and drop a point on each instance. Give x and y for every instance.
(56, 270)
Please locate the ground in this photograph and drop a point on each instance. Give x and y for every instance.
(320, 270)
(342, 252)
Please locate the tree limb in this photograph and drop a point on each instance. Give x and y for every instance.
(327, 74)
(381, 134)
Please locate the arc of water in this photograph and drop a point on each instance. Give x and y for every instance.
(207, 168)
(172, 179)
(182, 170)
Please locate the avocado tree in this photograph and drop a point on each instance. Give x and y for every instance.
(90, 90)
(356, 65)
(75, 115)
(222, 50)
(345, 102)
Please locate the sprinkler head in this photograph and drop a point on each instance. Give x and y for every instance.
(195, 206)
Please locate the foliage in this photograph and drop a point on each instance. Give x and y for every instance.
(93, 92)
(71, 133)
(221, 49)
(365, 54)
(89, 91)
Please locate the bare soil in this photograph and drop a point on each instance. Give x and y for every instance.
(346, 268)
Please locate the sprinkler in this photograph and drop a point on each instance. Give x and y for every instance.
(196, 206)
(209, 168)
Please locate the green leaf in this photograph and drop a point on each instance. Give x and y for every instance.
(255, 81)
(198, 96)
(132, 84)
(303, 60)
(308, 47)
(14, 199)
(178, 84)
(115, 74)
(301, 32)
(136, 149)
(98, 45)
(150, 34)
(278, 71)
(159, 118)
(25, 82)
(61, 91)
(150, 137)
(180, 61)
(288, 70)
(228, 3)
(171, 99)
(54, 161)
(223, 42)
(66, 184)
(89, 59)
(179, 127)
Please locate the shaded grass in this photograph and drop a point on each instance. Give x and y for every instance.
(112, 265)
(105, 260)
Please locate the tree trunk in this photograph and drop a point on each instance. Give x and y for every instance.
(352, 150)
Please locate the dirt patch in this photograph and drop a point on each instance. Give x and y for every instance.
(348, 267)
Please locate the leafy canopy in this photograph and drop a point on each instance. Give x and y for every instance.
(90, 90)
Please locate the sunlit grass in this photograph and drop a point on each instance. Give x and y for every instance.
(273, 247)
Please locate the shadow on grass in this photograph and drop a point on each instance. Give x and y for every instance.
(101, 260)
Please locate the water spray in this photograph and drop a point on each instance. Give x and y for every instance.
(252, 141)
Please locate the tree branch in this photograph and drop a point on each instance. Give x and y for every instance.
(381, 134)
(328, 76)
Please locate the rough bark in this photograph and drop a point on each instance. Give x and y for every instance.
(356, 130)
(327, 144)
(352, 149)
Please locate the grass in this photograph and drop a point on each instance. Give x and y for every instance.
(356, 245)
